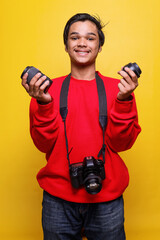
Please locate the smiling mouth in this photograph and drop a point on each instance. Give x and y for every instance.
(80, 52)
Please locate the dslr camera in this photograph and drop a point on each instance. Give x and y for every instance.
(89, 173)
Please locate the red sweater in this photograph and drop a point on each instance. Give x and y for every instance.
(84, 135)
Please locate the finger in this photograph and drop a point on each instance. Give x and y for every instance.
(132, 74)
(125, 76)
(39, 82)
(124, 82)
(134, 79)
(24, 78)
(123, 93)
(121, 87)
(43, 86)
(128, 87)
(124, 87)
(24, 82)
(33, 81)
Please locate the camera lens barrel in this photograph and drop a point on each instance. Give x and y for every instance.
(32, 71)
(93, 175)
(93, 184)
(134, 67)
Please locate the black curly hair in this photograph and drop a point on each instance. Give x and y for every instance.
(83, 17)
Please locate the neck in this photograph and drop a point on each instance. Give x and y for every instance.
(83, 72)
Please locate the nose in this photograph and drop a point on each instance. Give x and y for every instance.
(82, 42)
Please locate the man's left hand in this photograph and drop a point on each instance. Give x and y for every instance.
(127, 84)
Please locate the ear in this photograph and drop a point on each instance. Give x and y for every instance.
(66, 49)
(100, 49)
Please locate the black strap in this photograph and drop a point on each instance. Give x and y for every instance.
(64, 97)
(102, 109)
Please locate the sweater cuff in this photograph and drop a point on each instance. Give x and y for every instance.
(124, 106)
(46, 109)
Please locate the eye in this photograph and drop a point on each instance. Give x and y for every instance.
(90, 39)
(74, 38)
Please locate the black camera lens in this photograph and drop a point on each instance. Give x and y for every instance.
(93, 175)
(32, 71)
(93, 184)
(134, 67)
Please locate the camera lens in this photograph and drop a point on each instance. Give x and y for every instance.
(92, 175)
(32, 71)
(134, 67)
(93, 184)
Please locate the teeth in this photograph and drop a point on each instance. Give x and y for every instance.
(82, 52)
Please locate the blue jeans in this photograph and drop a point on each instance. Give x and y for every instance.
(63, 220)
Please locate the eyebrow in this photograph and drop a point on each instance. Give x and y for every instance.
(89, 33)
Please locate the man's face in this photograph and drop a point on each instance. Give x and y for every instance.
(83, 43)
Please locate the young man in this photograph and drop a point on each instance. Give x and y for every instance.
(66, 209)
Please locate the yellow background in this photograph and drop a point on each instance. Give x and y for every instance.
(31, 34)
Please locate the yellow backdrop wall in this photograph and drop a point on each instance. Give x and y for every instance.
(31, 34)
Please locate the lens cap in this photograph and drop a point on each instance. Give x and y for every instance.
(135, 68)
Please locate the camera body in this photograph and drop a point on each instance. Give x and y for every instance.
(89, 173)
(32, 71)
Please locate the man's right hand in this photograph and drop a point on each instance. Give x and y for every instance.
(35, 90)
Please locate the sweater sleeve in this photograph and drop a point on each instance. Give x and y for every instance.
(123, 127)
(43, 125)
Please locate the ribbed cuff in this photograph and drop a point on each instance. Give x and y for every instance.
(124, 106)
(46, 109)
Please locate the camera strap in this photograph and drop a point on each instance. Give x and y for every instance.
(102, 109)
